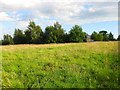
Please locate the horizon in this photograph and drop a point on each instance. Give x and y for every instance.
(91, 16)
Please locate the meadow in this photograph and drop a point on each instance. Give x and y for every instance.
(70, 65)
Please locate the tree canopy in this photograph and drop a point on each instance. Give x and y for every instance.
(118, 38)
(19, 37)
(111, 37)
(7, 39)
(33, 34)
(76, 34)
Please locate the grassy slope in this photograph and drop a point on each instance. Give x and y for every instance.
(60, 65)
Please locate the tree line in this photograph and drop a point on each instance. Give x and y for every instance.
(33, 34)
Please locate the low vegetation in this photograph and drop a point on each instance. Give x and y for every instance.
(71, 65)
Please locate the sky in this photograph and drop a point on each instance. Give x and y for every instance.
(92, 15)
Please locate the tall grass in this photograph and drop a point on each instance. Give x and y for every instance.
(78, 65)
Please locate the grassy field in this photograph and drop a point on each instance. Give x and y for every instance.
(72, 65)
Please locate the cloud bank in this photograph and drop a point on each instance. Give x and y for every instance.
(70, 12)
(65, 11)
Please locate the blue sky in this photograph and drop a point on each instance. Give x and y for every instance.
(110, 26)
(91, 16)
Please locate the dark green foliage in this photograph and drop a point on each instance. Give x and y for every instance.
(102, 36)
(97, 36)
(76, 34)
(66, 38)
(49, 35)
(0, 42)
(33, 33)
(94, 35)
(105, 35)
(59, 32)
(19, 37)
(28, 36)
(54, 34)
(118, 38)
(103, 32)
(111, 37)
(7, 39)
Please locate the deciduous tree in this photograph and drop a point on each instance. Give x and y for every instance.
(76, 34)
(19, 37)
(7, 39)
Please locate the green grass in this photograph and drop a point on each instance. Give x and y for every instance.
(73, 65)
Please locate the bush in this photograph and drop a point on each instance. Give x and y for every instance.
(7, 40)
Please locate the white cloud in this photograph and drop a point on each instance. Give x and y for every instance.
(21, 24)
(46, 12)
(5, 17)
(28, 4)
(18, 4)
(92, 10)
(68, 11)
